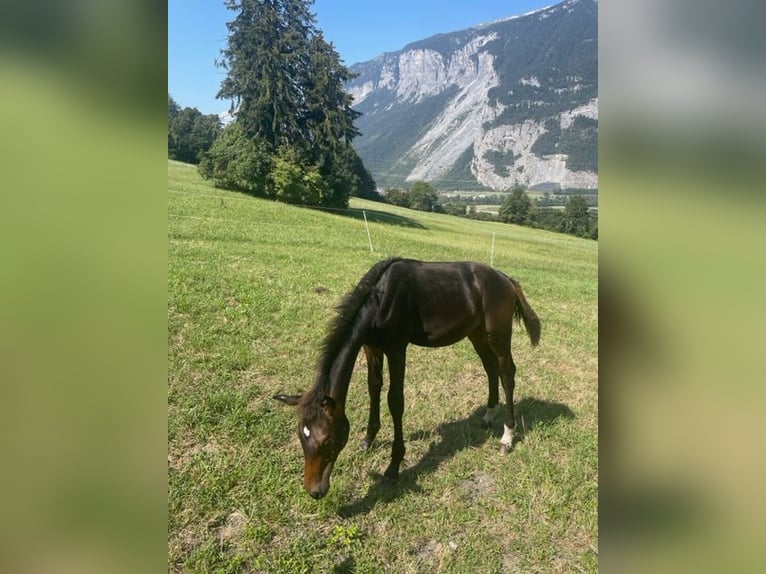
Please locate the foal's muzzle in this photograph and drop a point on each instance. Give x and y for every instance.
(318, 487)
(316, 495)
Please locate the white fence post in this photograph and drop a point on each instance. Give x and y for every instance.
(369, 239)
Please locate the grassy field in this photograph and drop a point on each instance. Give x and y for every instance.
(252, 287)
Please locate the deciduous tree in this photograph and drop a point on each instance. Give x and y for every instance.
(423, 196)
(576, 219)
(517, 207)
(190, 133)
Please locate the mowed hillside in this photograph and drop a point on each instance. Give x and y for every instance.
(252, 286)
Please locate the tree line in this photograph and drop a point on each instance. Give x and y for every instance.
(520, 209)
(190, 133)
(421, 196)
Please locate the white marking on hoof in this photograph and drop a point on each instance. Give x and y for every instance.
(489, 416)
(507, 440)
(306, 432)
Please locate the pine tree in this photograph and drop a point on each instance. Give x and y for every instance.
(329, 119)
(266, 65)
(328, 125)
(286, 85)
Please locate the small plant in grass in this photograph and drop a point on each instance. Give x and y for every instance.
(344, 536)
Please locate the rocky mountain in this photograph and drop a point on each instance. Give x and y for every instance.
(511, 101)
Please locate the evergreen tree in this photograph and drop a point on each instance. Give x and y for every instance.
(329, 119)
(286, 85)
(328, 125)
(364, 184)
(265, 64)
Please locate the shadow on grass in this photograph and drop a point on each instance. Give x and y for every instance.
(375, 216)
(347, 566)
(469, 432)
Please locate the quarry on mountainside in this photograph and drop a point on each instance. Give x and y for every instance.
(512, 101)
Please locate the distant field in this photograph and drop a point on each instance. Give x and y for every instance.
(252, 286)
(489, 208)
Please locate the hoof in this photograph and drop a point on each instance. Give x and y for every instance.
(365, 444)
(506, 443)
(391, 475)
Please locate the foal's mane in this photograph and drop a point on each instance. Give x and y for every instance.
(342, 327)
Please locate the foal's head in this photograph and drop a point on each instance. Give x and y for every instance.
(323, 432)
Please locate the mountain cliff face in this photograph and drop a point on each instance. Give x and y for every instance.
(512, 101)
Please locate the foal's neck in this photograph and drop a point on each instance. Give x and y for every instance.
(340, 373)
(336, 373)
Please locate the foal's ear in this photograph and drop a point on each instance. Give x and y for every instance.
(291, 400)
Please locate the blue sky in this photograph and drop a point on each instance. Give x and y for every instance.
(359, 31)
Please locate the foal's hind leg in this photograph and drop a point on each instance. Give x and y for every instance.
(374, 385)
(489, 360)
(502, 347)
(508, 376)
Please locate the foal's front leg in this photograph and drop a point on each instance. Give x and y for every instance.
(396, 362)
(374, 385)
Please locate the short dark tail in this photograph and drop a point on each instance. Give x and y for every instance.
(525, 312)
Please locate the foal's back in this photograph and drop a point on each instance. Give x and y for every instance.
(434, 304)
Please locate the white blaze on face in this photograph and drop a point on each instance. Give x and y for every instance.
(306, 432)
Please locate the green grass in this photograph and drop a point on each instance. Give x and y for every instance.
(252, 287)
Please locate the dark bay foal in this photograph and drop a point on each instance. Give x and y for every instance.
(398, 302)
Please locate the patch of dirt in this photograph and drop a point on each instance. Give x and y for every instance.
(509, 563)
(232, 527)
(426, 552)
(430, 555)
(181, 456)
(479, 486)
(182, 543)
